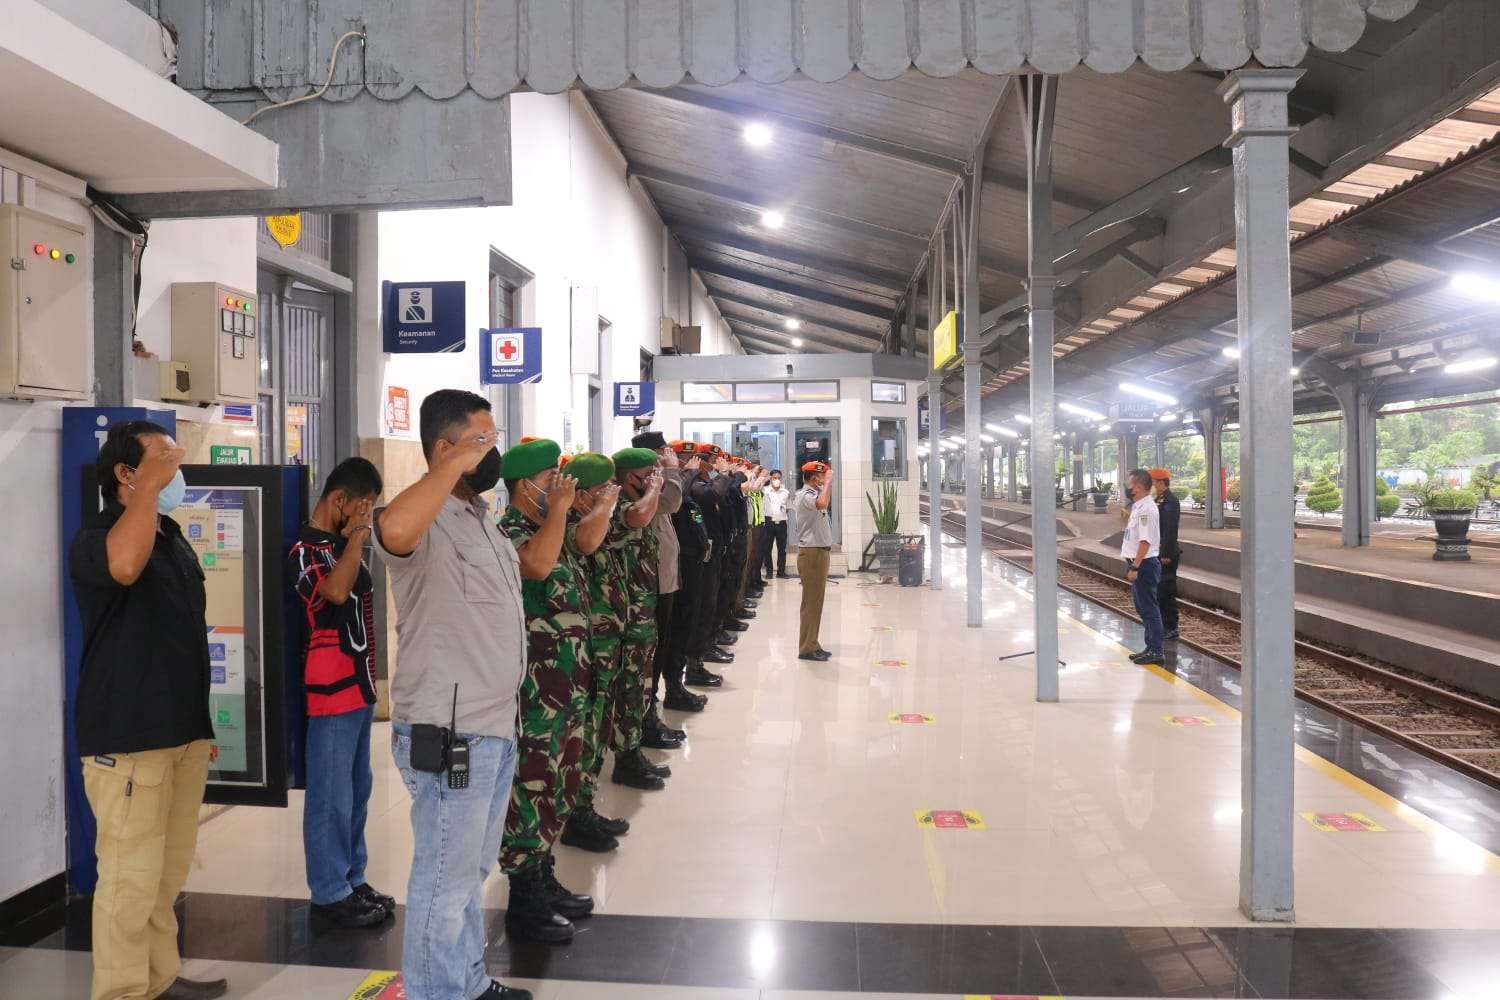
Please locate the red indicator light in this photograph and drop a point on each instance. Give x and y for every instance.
(38, 249)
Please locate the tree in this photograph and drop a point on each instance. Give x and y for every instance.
(1323, 496)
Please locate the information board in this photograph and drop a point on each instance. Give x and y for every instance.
(945, 337)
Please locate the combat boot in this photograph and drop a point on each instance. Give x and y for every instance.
(529, 916)
(631, 771)
(584, 832)
(570, 904)
(654, 723)
(659, 737)
(701, 677)
(680, 699)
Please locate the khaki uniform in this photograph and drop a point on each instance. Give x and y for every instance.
(814, 544)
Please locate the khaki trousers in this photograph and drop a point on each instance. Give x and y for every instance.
(146, 805)
(812, 568)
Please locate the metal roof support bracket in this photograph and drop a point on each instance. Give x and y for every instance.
(1260, 139)
(1038, 108)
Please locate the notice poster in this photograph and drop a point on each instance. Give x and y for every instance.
(216, 522)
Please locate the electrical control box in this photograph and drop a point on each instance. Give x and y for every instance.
(44, 274)
(214, 330)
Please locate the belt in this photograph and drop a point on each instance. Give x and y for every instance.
(816, 548)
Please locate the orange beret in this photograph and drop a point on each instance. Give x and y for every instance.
(708, 448)
(564, 460)
(1163, 474)
(811, 467)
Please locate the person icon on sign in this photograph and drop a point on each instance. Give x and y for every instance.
(628, 395)
(416, 307)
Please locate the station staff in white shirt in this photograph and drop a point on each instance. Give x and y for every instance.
(1141, 551)
(774, 497)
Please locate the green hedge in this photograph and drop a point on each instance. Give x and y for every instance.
(1387, 504)
(1323, 496)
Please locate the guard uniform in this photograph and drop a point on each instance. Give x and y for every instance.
(814, 547)
(711, 497)
(694, 552)
(731, 579)
(1170, 512)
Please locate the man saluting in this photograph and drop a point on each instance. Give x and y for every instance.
(814, 543)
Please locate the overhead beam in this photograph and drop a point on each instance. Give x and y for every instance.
(752, 200)
(777, 314)
(1434, 257)
(1145, 198)
(731, 239)
(703, 266)
(781, 347)
(1005, 177)
(764, 332)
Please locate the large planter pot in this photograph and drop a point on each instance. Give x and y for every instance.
(1101, 500)
(1452, 534)
(1061, 494)
(888, 553)
(1026, 494)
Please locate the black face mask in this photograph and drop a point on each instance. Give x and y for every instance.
(486, 475)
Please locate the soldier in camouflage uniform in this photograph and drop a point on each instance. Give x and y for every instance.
(640, 481)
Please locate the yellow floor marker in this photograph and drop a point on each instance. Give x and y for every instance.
(380, 986)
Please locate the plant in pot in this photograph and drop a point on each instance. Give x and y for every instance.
(1450, 511)
(1386, 502)
(1323, 496)
(1100, 493)
(887, 521)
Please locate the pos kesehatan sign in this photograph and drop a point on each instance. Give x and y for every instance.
(422, 317)
(510, 356)
(945, 340)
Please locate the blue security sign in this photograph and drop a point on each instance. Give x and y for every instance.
(510, 356)
(634, 399)
(423, 317)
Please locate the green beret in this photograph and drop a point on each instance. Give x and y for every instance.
(527, 459)
(627, 459)
(591, 469)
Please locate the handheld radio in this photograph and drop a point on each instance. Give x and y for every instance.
(458, 751)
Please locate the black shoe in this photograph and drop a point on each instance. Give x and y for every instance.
(1170, 634)
(703, 678)
(752, 602)
(654, 724)
(1146, 657)
(712, 656)
(735, 625)
(498, 992)
(584, 832)
(570, 904)
(630, 771)
(744, 615)
(366, 891)
(657, 739)
(194, 989)
(660, 770)
(753, 595)
(810, 656)
(530, 914)
(823, 654)
(726, 639)
(680, 699)
(783, 576)
(614, 826)
(351, 911)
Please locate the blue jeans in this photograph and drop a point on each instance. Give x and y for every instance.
(1147, 604)
(337, 803)
(457, 843)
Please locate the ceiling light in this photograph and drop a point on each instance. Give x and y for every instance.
(1081, 411)
(758, 134)
(1005, 431)
(1146, 392)
(1231, 427)
(796, 341)
(1232, 353)
(1471, 365)
(794, 324)
(772, 219)
(987, 438)
(1105, 426)
(1296, 371)
(1167, 418)
(1023, 418)
(1477, 285)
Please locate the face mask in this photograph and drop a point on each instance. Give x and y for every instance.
(539, 498)
(486, 475)
(776, 481)
(170, 497)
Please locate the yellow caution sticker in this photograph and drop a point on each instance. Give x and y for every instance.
(1343, 822)
(912, 718)
(380, 986)
(949, 819)
(1189, 721)
(893, 663)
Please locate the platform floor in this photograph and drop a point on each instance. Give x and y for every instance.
(786, 853)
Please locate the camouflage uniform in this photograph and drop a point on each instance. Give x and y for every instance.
(554, 704)
(609, 608)
(639, 550)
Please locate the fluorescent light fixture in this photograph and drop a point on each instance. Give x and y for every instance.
(1167, 418)
(1023, 418)
(758, 134)
(1146, 392)
(1081, 411)
(1232, 353)
(1477, 285)
(1005, 431)
(796, 341)
(1231, 427)
(1471, 365)
(987, 438)
(794, 324)
(992, 427)
(772, 219)
(1105, 426)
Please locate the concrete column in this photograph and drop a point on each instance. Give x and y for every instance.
(1160, 437)
(934, 427)
(1077, 454)
(1212, 418)
(114, 312)
(1128, 457)
(1012, 488)
(1356, 403)
(1260, 140)
(971, 310)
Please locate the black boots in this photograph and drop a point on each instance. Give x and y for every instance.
(700, 677)
(680, 699)
(584, 832)
(570, 904)
(654, 725)
(714, 655)
(633, 770)
(530, 915)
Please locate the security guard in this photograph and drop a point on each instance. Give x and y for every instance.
(733, 618)
(710, 491)
(814, 544)
(554, 694)
(1171, 551)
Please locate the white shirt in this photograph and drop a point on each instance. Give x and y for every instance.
(774, 502)
(1144, 525)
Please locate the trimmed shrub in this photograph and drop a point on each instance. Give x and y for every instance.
(1387, 504)
(1323, 496)
(1452, 500)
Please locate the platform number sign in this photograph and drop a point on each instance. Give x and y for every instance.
(510, 356)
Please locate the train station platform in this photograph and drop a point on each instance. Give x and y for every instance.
(906, 820)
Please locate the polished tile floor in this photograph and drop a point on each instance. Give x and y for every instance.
(787, 851)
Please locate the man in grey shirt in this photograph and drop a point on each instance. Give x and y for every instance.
(461, 656)
(814, 546)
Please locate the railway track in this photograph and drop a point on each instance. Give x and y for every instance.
(1446, 725)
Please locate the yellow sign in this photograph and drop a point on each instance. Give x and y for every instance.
(285, 229)
(945, 341)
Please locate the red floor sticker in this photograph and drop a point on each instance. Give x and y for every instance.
(380, 986)
(1190, 721)
(913, 718)
(949, 819)
(881, 628)
(1005, 996)
(1343, 822)
(893, 663)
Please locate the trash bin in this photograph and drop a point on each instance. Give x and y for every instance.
(913, 560)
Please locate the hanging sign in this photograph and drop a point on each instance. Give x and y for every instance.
(945, 337)
(285, 229)
(1140, 411)
(635, 399)
(238, 413)
(425, 317)
(510, 355)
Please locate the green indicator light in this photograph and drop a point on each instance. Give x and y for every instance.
(70, 258)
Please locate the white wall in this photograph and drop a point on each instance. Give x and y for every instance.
(220, 250)
(575, 221)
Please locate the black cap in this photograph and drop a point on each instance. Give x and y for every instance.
(649, 439)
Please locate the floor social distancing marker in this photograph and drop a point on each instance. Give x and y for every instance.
(913, 718)
(949, 819)
(1343, 822)
(380, 986)
(1189, 721)
(893, 663)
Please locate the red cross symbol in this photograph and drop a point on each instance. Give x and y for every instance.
(507, 349)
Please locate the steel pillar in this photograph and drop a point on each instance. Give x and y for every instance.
(1038, 106)
(1260, 141)
(114, 318)
(973, 377)
(1077, 455)
(935, 299)
(1212, 418)
(1357, 404)
(1160, 437)
(1012, 488)
(1128, 459)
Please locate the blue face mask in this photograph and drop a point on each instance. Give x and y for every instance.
(170, 497)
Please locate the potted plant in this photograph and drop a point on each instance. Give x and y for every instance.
(1386, 502)
(1100, 492)
(887, 522)
(1450, 511)
(1026, 494)
(1323, 496)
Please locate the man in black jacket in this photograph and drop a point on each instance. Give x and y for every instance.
(1171, 550)
(710, 492)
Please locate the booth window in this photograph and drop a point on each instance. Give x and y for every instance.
(707, 392)
(888, 447)
(760, 392)
(812, 392)
(887, 392)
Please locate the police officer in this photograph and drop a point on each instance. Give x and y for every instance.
(814, 544)
(733, 618)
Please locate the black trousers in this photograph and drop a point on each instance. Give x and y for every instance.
(730, 578)
(1166, 595)
(665, 604)
(773, 533)
(706, 621)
